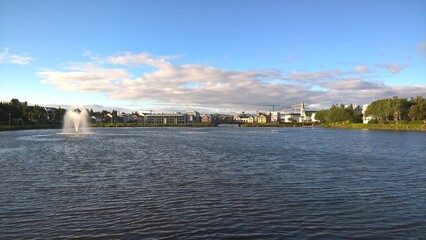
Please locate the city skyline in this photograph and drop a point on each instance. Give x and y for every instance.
(221, 56)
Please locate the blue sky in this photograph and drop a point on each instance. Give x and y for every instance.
(211, 56)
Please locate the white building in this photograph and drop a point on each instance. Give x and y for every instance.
(365, 119)
(166, 118)
(290, 117)
(275, 117)
(310, 116)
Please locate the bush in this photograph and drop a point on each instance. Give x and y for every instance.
(373, 121)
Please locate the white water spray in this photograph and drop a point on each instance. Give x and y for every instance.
(76, 121)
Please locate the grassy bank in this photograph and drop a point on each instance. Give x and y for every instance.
(29, 127)
(275, 124)
(150, 125)
(389, 126)
(195, 125)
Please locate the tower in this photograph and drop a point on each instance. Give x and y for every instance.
(302, 117)
(302, 112)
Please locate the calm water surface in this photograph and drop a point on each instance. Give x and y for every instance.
(247, 183)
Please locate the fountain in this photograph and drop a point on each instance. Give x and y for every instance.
(76, 121)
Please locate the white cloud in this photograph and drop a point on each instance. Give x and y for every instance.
(3, 55)
(19, 59)
(361, 69)
(353, 85)
(6, 57)
(314, 75)
(130, 59)
(85, 77)
(93, 57)
(392, 67)
(207, 87)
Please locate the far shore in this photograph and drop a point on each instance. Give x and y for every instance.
(29, 127)
(395, 127)
(378, 126)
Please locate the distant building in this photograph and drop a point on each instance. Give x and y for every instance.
(225, 117)
(275, 117)
(166, 118)
(262, 118)
(215, 118)
(358, 109)
(193, 117)
(300, 116)
(125, 118)
(137, 118)
(310, 116)
(95, 119)
(365, 119)
(107, 118)
(244, 118)
(205, 118)
(290, 117)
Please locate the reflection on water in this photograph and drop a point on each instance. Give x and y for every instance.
(278, 183)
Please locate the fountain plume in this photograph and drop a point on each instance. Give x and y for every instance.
(76, 121)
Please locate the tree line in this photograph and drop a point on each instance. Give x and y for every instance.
(339, 113)
(19, 113)
(398, 109)
(388, 110)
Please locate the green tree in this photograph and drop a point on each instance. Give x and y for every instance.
(104, 112)
(58, 114)
(114, 114)
(339, 113)
(390, 109)
(322, 115)
(38, 114)
(418, 109)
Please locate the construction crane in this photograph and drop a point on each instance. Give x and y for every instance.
(302, 106)
(273, 106)
(288, 110)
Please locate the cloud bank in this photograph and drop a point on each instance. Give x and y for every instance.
(6, 57)
(199, 86)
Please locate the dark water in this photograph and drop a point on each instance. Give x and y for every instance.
(247, 183)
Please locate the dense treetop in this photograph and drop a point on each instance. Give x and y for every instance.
(339, 113)
(384, 110)
(398, 109)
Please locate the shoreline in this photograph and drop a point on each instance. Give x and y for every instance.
(359, 126)
(28, 127)
(379, 126)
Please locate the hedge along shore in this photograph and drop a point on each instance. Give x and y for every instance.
(389, 126)
(151, 125)
(29, 127)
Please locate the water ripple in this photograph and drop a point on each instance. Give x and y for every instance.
(168, 183)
